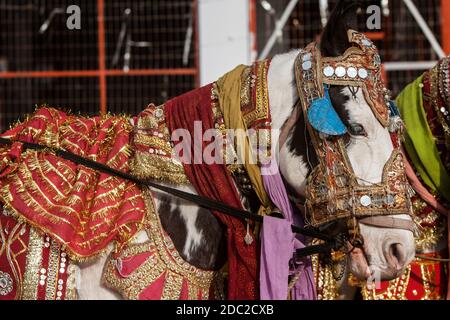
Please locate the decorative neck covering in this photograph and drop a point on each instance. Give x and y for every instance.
(420, 142)
(424, 105)
(246, 107)
(333, 189)
(437, 106)
(214, 181)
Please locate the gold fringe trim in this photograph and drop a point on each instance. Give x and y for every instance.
(148, 166)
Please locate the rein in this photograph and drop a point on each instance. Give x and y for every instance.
(330, 243)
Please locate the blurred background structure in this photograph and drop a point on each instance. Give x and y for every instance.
(129, 53)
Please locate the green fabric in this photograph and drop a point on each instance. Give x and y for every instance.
(420, 142)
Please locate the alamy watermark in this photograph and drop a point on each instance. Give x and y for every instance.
(214, 146)
(373, 21)
(374, 281)
(73, 22)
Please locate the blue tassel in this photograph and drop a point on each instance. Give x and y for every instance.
(323, 117)
(395, 112)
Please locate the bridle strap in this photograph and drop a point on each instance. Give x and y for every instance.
(388, 222)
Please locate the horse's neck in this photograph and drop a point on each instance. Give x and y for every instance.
(282, 89)
(283, 96)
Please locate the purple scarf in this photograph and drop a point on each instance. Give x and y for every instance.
(278, 243)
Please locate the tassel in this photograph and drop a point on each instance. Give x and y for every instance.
(395, 124)
(395, 121)
(248, 237)
(418, 229)
(410, 191)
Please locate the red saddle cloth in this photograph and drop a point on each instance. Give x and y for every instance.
(83, 210)
(32, 266)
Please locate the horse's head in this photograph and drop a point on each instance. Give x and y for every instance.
(386, 251)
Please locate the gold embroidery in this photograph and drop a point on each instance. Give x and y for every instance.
(205, 294)
(52, 271)
(154, 157)
(103, 211)
(32, 203)
(35, 166)
(30, 182)
(71, 283)
(428, 281)
(6, 196)
(247, 82)
(432, 228)
(164, 261)
(262, 110)
(168, 252)
(192, 292)
(32, 266)
(152, 141)
(65, 175)
(172, 287)
(124, 152)
(325, 283)
(396, 289)
(133, 285)
(113, 194)
(70, 146)
(145, 165)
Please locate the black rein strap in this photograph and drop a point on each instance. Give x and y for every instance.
(199, 200)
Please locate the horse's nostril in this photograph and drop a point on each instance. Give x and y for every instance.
(396, 256)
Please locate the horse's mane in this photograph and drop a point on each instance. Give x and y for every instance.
(334, 40)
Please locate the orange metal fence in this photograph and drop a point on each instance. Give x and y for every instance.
(126, 55)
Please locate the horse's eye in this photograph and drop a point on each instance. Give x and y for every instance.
(357, 130)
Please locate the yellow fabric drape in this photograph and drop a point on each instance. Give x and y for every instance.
(229, 89)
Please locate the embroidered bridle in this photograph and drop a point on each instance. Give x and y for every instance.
(334, 192)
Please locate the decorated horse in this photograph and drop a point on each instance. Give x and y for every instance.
(424, 106)
(168, 204)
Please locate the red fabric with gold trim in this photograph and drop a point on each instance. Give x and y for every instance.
(423, 280)
(80, 208)
(166, 285)
(215, 182)
(155, 291)
(32, 266)
(155, 270)
(14, 239)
